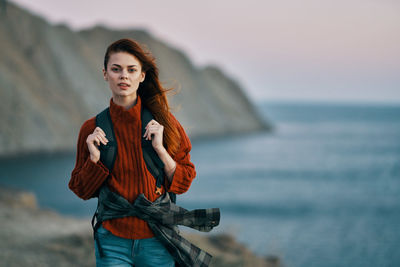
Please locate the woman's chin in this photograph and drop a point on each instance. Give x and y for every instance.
(125, 93)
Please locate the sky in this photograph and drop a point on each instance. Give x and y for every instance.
(291, 50)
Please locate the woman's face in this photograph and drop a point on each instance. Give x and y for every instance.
(124, 73)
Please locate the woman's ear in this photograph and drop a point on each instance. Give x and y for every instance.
(105, 75)
(143, 76)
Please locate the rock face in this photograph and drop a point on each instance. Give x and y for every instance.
(34, 237)
(51, 82)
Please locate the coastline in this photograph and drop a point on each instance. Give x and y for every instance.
(37, 237)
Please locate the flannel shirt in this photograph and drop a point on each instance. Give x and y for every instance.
(163, 217)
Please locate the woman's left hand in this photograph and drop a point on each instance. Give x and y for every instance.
(154, 132)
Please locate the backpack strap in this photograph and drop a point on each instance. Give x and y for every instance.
(153, 162)
(107, 152)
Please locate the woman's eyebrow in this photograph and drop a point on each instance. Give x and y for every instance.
(128, 66)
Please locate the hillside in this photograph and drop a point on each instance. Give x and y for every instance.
(51, 82)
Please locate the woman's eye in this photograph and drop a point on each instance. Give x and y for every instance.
(132, 70)
(114, 69)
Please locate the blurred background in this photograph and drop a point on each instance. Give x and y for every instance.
(293, 109)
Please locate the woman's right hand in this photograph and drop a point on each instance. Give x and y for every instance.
(94, 139)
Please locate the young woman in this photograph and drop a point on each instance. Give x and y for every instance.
(132, 76)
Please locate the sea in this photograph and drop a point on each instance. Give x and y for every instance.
(321, 189)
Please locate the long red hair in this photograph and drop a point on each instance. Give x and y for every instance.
(152, 94)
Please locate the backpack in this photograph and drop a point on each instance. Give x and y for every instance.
(108, 152)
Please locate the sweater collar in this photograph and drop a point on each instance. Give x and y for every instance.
(119, 113)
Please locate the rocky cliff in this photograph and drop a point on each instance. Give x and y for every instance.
(51, 82)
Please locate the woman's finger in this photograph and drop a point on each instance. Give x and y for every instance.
(152, 122)
(145, 132)
(103, 139)
(148, 135)
(98, 129)
(152, 131)
(97, 140)
(155, 128)
(152, 127)
(101, 136)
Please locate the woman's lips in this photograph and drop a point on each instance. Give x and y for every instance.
(123, 86)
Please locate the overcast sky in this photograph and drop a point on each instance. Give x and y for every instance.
(339, 50)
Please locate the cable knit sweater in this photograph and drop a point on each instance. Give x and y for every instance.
(130, 176)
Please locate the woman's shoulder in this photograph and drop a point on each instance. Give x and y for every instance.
(88, 126)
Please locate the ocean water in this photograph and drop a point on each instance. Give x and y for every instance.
(323, 189)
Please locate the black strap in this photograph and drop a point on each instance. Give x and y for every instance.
(153, 162)
(107, 152)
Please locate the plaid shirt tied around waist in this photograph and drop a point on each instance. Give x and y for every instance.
(163, 217)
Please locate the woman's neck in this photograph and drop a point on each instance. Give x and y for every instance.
(125, 101)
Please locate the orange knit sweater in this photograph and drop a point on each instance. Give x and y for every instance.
(130, 176)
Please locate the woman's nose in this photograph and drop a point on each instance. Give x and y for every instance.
(124, 74)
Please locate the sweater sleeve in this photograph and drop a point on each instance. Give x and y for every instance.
(87, 176)
(185, 171)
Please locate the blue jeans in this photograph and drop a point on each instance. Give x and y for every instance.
(118, 251)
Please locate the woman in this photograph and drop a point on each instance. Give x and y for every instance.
(132, 76)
